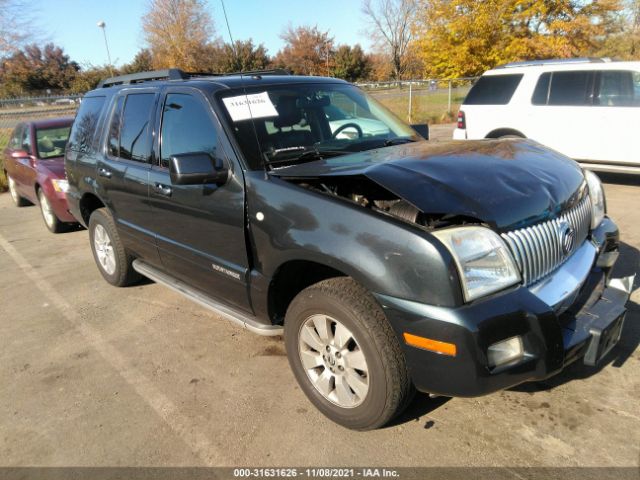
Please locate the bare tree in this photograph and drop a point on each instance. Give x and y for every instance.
(390, 24)
(15, 28)
(177, 32)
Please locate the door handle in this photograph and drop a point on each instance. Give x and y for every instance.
(161, 189)
(103, 172)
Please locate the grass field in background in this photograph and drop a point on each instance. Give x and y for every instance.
(428, 108)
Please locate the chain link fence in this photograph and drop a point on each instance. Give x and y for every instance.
(422, 101)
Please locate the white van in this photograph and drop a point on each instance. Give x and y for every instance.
(585, 108)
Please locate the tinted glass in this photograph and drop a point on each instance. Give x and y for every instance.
(15, 138)
(618, 89)
(135, 141)
(186, 127)
(85, 124)
(26, 140)
(51, 141)
(541, 92)
(570, 88)
(113, 141)
(493, 90)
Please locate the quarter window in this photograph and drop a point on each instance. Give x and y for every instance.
(84, 126)
(129, 131)
(493, 90)
(186, 127)
(14, 143)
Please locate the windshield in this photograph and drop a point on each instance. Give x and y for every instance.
(308, 121)
(50, 142)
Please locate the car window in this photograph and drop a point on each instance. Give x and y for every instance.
(541, 92)
(617, 89)
(493, 90)
(84, 126)
(570, 88)
(14, 143)
(25, 141)
(50, 142)
(186, 127)
(129, 130)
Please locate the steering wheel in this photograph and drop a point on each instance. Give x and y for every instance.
(345, 126)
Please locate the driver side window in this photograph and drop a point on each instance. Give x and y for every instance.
(186, 128)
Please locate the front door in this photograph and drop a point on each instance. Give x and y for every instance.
(200, 229)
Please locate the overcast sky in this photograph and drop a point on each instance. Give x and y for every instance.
(72, 23)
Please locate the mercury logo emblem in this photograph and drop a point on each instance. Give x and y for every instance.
(567, 237)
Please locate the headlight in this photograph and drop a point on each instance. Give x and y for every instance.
(483, 260)
(597, 198)
(60, 185)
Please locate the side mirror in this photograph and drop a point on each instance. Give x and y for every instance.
(20, 154)
(197, 168)
(422, 130)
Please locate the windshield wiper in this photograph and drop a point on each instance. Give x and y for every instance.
(308, 153)
(397, 141)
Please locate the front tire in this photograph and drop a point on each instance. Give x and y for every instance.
(113, 261)
(15, 196)
(50, 220)
(345, 355)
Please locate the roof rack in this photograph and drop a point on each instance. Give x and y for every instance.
(554, 61)
(177, 74)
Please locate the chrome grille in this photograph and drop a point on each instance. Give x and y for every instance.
(538, 249)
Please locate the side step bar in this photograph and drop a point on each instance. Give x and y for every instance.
(229, 313)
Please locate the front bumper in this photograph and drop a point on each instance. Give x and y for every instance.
(584, 322)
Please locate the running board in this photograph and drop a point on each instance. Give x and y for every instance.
(228, 312)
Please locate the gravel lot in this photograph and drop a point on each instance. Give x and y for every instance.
(92, 375)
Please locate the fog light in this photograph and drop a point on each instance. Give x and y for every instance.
(507, 351)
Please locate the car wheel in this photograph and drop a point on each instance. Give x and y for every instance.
(345, 355)
(113, 261)
(15, 196)
(50, 220)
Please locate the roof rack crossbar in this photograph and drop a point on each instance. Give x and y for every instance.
(177, 74)
(554, 61)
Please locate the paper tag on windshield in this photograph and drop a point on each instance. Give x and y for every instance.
(244, 107)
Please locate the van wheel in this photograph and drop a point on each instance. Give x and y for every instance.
(50, 220)
(345, 355)
(113, 261)
(15, 196)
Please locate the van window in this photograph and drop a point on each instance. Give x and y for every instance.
(85, 124)
(541, 92)
(570, 88)
(618, 89)
(493, 90)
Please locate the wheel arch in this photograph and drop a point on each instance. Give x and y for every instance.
(88, 204)
(502, 132)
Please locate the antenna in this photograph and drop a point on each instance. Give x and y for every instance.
(224, 11)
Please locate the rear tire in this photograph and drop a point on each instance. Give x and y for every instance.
(52, 222)
(112, 259)
(15, 196)
(345, 355)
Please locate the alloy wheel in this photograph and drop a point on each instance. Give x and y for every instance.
(104, 249)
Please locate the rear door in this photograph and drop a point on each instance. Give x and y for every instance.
(123, 168)
(617, 102)
(200, 228)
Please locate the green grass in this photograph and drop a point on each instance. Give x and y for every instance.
(430, 108)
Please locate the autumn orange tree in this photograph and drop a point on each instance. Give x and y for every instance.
(459, 38)
(177, 32)
(307, 51)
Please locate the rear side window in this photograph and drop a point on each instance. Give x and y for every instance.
(493, 90)
(14, 143)
(618, 89)
(129, 130)
(84, 126)
(570, 88)
(186, 127)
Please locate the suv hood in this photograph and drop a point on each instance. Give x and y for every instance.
(507, 184)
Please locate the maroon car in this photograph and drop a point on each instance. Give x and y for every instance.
(34, 166)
